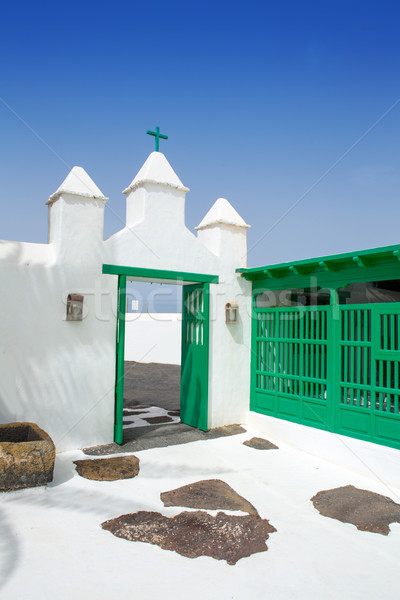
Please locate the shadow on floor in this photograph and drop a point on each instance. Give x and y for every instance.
(153, 384)
(161, 436)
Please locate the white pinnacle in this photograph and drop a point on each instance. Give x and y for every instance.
(157, 169)
(222, 212)
(78, 183)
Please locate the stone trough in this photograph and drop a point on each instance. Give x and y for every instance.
(27, 455)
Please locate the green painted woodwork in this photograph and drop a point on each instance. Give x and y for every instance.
(119, 378)
(337, 270)
(194, 369)
(333, 367)
(154, 274)
(195, 353)
(157, 136)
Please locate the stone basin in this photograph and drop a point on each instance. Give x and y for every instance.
(27, 455)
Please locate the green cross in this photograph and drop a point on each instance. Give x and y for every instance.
(157, 135)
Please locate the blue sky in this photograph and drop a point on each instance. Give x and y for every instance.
(259, 100)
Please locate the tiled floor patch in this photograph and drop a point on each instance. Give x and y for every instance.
(150, 415)
(211, 494)
(194, 534)
(366, 510)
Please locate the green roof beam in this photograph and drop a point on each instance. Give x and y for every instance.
(329, 263)
(359, 261)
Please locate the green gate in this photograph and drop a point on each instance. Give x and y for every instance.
(369, 366)
(291, 370)
(194, 366)
(195, 340)
(332, 367)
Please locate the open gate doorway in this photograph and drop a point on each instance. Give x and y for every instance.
(195, 341)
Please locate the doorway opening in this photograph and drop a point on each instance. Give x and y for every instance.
(152, 366)
(193, 405)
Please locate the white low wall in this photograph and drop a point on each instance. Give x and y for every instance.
(153, 337)
(371, 460)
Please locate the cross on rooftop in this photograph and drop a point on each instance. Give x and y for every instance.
(157, 135)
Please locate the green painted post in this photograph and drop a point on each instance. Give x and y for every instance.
(334, 361)
(119, 385)
(376, 339)
(157, 136)
(255, 356)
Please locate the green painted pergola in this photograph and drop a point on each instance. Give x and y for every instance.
(333, 366)
(337, 270)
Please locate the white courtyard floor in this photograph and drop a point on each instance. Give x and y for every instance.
(52, 545)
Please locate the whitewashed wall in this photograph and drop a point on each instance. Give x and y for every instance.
(156, 237)
(61, 374)
(56, 373)
(153, 338)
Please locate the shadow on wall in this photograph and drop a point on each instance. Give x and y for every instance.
(6, 415)
(12, 251)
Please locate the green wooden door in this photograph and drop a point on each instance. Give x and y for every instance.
(290, 364)
(369, 383)
(331, 367)
(194, 366)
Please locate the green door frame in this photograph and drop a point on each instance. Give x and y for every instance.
(123, 273)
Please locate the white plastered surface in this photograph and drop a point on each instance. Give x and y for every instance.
(52, 544)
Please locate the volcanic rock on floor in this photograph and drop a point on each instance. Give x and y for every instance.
(366, 510)
(108, 469)
(194, 534)
(157, 420)
(211, 494)
(260, 444)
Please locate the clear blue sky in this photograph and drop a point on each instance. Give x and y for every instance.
(258, 98)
